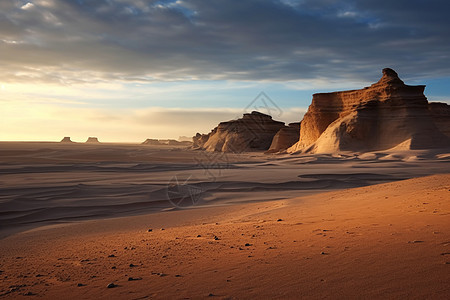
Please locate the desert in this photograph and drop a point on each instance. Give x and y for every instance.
(350, 203)
(186, 149)
(77, 218)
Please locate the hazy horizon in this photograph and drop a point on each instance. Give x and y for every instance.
(125, 71)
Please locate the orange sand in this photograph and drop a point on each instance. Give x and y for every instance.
(386, 241)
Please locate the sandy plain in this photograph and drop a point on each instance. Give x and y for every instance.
(75, 218)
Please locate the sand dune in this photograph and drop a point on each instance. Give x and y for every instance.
(52, 183)
(377, 242)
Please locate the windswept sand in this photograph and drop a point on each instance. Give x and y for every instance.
(387, 241)
(53, 183)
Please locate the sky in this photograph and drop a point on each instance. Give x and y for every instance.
(128, 70)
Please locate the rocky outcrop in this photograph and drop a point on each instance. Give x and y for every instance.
(253, 132)
(153, 142)
(285, 138)
(382, 116)
(199, 140)
(92, 140)
(440, 112)
(66, 139)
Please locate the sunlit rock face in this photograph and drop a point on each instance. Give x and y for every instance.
(252, 132)
(285, 138)
(382, 116)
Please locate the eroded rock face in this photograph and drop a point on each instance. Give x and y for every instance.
(199, 140)
(440, 112)
(285, 138)
(253, 132)
(382, 116)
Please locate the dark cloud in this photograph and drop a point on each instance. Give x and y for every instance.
(45, 40)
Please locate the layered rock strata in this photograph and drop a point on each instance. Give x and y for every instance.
(382, 116)
(253, 132)
(440, 112)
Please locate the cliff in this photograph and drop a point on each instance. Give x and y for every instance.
(378, 117)
(252, 132)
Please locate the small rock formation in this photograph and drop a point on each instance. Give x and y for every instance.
(253, 132)
(66, 139)
(92, 140)
(199, 140)
(151, 142)
(440, 112)
(379, 117)
(285, 138)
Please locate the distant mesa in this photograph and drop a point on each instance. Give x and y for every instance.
(253, 132)
(166, 142)
(92, 140)
(151, 142)
(385, 115)
(66, 139)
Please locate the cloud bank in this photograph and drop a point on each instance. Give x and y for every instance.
(69, 42)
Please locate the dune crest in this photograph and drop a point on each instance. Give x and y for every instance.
(386, 114)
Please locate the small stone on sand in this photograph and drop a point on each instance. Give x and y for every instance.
(134, 278)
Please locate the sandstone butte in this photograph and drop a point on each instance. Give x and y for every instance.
(66, 139)
(385, 115)
(253, 132)
(92, 140)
